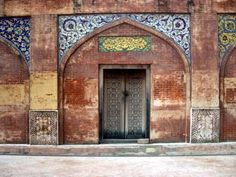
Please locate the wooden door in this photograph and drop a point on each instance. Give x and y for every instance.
(124, 113)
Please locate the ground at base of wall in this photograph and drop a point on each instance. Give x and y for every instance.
(191, 166)
(128, 150)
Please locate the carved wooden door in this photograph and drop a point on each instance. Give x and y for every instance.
(124, 104)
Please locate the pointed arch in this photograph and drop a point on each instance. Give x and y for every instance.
(117, 23)
(226, 58)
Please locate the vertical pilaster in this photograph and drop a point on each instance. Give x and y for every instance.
(43, 80)
(205, 74)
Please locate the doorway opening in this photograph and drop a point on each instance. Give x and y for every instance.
(124, 105)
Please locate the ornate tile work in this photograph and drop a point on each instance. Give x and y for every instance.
(73, 28)
(17, 32)
(227, 33)
(124, 43)
(205, 125)
(43, 127)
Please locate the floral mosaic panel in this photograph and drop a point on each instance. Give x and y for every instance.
(227, 32)
(205, 125)
(74, 28)
(17, 32)
(43, 127)
(124, 43)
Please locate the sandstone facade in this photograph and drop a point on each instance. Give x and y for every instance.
(57, 69)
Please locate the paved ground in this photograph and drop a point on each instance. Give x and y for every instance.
(56, 166)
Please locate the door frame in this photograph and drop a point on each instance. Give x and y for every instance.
(147, 68)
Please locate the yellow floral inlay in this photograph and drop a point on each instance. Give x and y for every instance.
(124, 44)
(227, 33)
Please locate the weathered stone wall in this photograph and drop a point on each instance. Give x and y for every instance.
(37, 7)
(205, 69)
(14, 96)
(171, 97)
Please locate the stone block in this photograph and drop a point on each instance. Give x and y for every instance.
(205, 89)
(43, 90)
(205, 125)
(43, 127)
(44, 43)
(12, 94)
(143, 141)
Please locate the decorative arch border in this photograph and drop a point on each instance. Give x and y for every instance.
(72, 50)
(74, 28)
(226, 58)
(16, 32)
(226, 34)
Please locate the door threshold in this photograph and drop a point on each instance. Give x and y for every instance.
(120, 141)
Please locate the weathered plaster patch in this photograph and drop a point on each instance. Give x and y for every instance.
(12, 94)
(43, 90)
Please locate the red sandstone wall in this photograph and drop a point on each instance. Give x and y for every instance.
(205, 66)
(14, 93)
(168, 95)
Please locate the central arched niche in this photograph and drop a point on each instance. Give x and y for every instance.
(169, 80)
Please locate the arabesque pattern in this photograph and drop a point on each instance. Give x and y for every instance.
(227, 32)
(205, 125)
(43, 127)
(17, 32)
(74, 28)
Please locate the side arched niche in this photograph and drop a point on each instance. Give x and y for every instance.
(79, 80)
(14, 95)
(228, 96)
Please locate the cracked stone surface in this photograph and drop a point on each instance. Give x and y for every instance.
(58, 166)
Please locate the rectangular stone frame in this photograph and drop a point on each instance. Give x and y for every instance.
(52, 138)
(205, 123)
(148, 106)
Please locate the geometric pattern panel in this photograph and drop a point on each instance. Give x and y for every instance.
(227, 32)
(17, 32)
(73, 28)
(43, 127)
(124, 43)
(205, 125)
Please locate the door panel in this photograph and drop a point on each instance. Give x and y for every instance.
(124, 104)
(135, 104)
(114, 104)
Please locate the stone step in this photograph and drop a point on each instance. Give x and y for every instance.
(167, 149)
